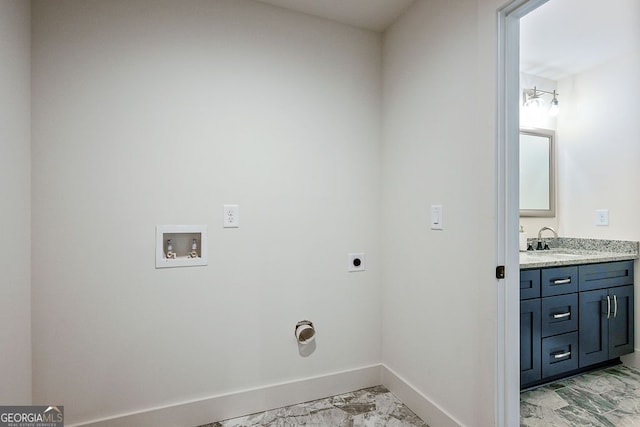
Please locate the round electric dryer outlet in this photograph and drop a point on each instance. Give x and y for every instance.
(356, 262)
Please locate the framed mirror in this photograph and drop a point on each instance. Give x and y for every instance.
(537, 178)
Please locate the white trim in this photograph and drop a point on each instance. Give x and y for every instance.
(632, 359)
(423, 406)
(507, 211)
(232, 405)
(259, 399)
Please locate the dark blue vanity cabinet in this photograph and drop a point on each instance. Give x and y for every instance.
(530, 327)
(606, 307)
(574, 317)
(530, 341)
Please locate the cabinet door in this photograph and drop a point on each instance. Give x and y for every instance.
(529, 284)
(530, 341)
(621, 321)
(593, 327)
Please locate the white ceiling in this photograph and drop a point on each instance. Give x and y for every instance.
(374, 15)
(565, 37)
(560, 38)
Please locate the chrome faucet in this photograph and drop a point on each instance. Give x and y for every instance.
(546, 246)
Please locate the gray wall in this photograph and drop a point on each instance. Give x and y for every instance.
(154, 112)
(15, 214)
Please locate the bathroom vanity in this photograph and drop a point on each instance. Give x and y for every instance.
(576, 310)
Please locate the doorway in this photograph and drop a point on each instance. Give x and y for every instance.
(508, 121)
(508, 209)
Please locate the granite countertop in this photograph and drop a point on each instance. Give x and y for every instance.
(572, 251)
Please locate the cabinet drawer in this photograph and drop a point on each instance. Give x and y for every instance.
(559, 314)
(559, 280)
(529, 284)
(559, 354)
(605, 275)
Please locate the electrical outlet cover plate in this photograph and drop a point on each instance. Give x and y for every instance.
(602, 217)
(356, 262)
(231, 216)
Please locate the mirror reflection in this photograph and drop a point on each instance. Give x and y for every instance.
(537, 185)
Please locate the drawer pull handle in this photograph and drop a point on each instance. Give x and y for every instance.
(562, 281)
(608, 306)
(561, 355)
(561, 315)
(615, 306)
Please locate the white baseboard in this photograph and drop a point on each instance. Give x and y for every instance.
(420, 404)
(231, 405)
(632, 359)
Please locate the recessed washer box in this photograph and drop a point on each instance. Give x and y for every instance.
(181, 246)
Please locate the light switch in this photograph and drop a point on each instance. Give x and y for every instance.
(602, 217)
(436, 217)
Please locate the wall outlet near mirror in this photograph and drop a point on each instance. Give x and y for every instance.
(602, 217)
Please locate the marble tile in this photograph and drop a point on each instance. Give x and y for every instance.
(603, 398)
(556, 384)
(544, 397)
(595, 383)
(370, 407)
(577, 416)
(538, 416)
(620, 419)
(628, 376)
(618, 398)
(588, 401)
(630, 405)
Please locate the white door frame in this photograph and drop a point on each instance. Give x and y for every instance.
(508, 211)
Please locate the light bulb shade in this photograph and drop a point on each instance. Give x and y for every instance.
(534, 102)
(555, 108)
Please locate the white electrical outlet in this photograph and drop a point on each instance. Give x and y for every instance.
(602, 217)
(356, 262)
(231, 218)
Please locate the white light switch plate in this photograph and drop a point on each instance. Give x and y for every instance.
(602, 217)
(436, 217)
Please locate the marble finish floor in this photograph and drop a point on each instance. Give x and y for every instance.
(370, 407)
(609, 397)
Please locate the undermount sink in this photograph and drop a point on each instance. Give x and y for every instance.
(565, 255)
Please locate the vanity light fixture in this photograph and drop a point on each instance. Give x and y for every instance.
(554, 109)
(533, 99)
